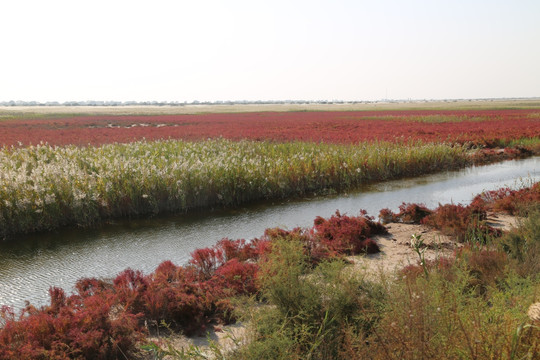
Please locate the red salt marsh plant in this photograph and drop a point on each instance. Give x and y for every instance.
(69, 328)
(108, 320)
(342, 234)
(408, 213)
(105, 319)
(468, 222)
(508, 200)
(482, 127)
(333, 238)
(462, 222)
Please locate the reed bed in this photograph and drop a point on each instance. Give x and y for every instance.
(44, 187)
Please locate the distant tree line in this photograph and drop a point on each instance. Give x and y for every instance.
(232, 102)
(174, 103)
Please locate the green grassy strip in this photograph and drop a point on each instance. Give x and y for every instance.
(30, 115)
(531, 143)
(45, 187)
(432, 118)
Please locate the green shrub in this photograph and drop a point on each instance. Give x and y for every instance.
(523, 245)
(310, 315)
(438, 318)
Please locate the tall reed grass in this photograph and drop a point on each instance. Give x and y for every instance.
(44, 187)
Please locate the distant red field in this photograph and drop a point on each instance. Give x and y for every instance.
(479, 126)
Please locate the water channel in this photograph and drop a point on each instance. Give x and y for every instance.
(30, 265)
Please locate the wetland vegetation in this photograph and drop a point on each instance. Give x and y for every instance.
(293, 288)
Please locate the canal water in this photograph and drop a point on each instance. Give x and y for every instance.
(30, 265)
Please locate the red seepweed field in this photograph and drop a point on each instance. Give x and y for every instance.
(486, 127)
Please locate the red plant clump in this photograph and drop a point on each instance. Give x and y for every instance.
(456, 220)
(239, 249)
(207, 260)
(508, 200)
(341, 234)
(106, 319)
(335, 237)
(70, 327)
(408, 213)
(313, 249)
(184, 302)
(462, 222)
(483, 127)
(237, 276)
(468, 221)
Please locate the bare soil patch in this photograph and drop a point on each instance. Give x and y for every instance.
(226, 338)
(502, 221)
(397, 252)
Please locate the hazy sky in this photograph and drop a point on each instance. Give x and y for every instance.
(269, 50)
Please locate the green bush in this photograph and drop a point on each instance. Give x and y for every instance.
(523, 245)
(310, 315)
(437, 318)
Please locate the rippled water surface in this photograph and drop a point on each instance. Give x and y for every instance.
(30, 265)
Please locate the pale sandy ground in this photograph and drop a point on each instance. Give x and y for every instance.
(197, 109)
(396, 252)
(227, 338)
